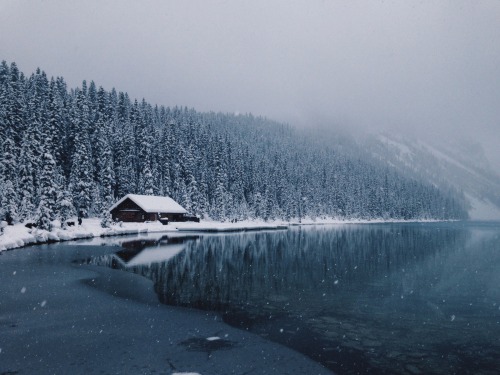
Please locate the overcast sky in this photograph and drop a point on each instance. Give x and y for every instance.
(372, 64)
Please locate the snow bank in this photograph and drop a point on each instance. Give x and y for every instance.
(215, 226)
(247, 225)
(18, 235)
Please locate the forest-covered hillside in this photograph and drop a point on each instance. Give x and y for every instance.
(67, 150)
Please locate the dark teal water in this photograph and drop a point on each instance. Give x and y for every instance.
(384, 298)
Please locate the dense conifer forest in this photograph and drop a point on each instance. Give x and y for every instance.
(65, 151)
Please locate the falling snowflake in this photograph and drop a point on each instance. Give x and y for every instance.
(43, 303)
(23, 289)
(452, 318)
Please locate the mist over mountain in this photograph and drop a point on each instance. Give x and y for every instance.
(444, 162)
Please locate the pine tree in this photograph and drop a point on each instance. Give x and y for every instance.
(65, 206)
(26, 178)
(220, 196)
(81, 177)
(9, 197)
(145, 142)
(104, 158)
(55, 122)
(48, 193)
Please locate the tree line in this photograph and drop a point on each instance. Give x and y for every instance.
(67, 151)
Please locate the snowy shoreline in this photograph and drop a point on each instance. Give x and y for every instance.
(18, 235)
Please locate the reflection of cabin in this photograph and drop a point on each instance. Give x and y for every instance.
(147, 256)
(143, 252)
(140, 208)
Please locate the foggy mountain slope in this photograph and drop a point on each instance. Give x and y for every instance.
(446, 164)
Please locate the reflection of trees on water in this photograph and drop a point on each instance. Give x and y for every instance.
(290, 267)
(297, 266)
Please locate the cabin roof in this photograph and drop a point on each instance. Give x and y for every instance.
(152, 203)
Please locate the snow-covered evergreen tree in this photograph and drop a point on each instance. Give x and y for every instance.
(82, 171)
(26, 178)
(46, 211)
(65, 206)
(8, 182)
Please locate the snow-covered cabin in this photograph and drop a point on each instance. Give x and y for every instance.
(140, 208)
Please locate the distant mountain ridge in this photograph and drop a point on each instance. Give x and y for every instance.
(444, 163)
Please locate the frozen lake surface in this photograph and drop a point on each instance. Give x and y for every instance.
(381, 298)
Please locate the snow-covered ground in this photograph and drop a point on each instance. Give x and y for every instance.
(18, 235)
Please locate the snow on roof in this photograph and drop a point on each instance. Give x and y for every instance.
(151, 203)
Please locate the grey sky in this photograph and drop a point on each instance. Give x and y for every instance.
(373, 64)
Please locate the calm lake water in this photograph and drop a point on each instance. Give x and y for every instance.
(388, 298)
